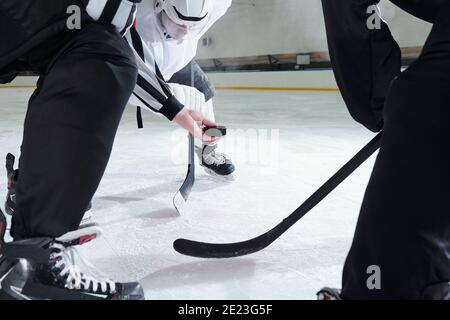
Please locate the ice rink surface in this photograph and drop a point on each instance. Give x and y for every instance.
(285, 145)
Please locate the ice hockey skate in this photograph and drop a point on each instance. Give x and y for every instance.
(53, 269)
(326, 294)
(215, 163)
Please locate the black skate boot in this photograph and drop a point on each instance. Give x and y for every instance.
(215, 163)
(53, 269)
(13, 176)
(329, 294)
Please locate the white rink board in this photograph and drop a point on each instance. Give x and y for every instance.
(319, 79)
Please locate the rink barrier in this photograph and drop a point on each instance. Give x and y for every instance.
(219, 88)
(317, 80)
(17, 87)
(21, 82)
(320, 80)
(277, 89)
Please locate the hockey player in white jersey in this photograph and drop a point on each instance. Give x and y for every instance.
(165, 38)
(164, 41)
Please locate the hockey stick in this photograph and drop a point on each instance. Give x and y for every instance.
(180, 198)
(230, 250)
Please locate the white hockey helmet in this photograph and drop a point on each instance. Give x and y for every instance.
(185, 12)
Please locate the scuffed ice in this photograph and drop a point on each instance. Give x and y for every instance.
(313, 136)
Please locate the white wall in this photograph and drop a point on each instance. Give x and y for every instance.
(314, 79)
(260, 27)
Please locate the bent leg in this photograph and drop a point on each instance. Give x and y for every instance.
(404, 224)
(69, 131)
(364, 61)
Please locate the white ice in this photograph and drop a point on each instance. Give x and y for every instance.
(275, 174)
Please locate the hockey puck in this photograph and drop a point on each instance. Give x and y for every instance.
(219, 131)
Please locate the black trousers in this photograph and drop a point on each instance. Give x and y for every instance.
(404, 224)
(86, 79)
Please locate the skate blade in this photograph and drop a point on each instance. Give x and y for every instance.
(227, 178)
(179, 202)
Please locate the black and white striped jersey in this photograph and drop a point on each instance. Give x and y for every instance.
(120, 13)
(151, 89)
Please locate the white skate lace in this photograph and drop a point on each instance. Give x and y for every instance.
(75, 278)
(215, 158)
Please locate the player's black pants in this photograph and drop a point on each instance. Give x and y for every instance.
(404, 223)
(193, 75)
(86, 79)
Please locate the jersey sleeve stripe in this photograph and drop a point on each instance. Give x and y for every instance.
(146, 86)
(136, 42)
(110, 10)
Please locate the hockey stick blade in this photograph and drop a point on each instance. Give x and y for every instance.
(181, 197)
(237, 249)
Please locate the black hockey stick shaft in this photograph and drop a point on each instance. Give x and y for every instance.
(182, 195)
(190, 175)
(230, 250)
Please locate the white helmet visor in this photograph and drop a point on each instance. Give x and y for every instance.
(177, 17)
